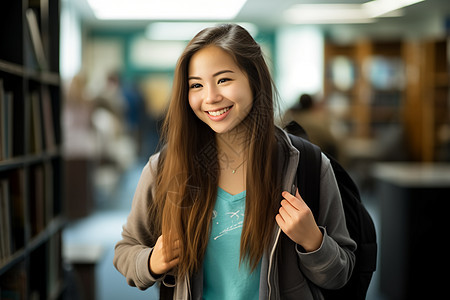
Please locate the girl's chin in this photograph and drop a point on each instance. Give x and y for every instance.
(233, 129)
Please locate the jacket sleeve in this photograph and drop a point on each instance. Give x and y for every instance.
(331, 265)
(132, 252)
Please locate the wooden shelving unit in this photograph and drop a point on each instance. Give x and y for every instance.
(393, 83)
(31, 203)
(427, 96)
(373, 98)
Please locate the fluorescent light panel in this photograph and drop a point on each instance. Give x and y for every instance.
(346, 13)
(184, 31)
(380, 8)
(166, 9)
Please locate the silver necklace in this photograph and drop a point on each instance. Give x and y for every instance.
(235, 169)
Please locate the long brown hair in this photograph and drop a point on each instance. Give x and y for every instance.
(188, 172)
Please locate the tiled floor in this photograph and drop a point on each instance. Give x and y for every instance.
(104, 227)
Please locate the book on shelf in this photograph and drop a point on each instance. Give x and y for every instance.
(54, 267)
(42, 130)
(36, 142)
(49, 129)
(2, 118)
(48, 193)
(16, 188)
(5, 221)
(36, 39)
(6, 123)
(37, 200)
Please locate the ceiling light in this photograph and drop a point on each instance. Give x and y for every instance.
(381, 8)
(346, 13)
(184, 31)
(326, 13)
(166, 9)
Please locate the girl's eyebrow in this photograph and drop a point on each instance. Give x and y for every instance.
(194, 78)
(214, 75)
(222, 72)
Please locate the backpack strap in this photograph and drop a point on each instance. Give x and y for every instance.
(308, 172)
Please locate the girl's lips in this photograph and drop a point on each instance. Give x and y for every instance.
(220, 114)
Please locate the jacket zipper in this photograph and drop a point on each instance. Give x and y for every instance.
(272, 253)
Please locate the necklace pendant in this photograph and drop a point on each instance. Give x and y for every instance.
(233, 171)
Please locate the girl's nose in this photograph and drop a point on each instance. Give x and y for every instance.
(213, 95)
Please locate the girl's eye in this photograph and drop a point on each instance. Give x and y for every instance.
(195, 86)
(223, 80)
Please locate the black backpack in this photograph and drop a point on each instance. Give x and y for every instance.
(359, 223)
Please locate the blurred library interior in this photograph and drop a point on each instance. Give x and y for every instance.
(83, 89)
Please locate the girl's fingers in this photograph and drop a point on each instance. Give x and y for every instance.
(173, 263)
(175, 253)
(287, 208)
(177, 244)
(296, 201)
(283, 212)
(280, 221)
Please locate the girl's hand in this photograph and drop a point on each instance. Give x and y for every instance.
(297, 222)
(160, 263)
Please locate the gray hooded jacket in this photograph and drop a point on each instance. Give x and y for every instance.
(286, 271)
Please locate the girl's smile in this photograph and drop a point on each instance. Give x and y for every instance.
(220, 114)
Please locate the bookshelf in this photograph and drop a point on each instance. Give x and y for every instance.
(340, 86)
(31, 203)
(427, 111)
(403, 83)
(367, 79)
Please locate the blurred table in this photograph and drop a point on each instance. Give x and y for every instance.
(84, 259)
(79, 187)
(414, 216)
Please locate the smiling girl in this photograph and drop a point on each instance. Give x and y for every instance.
(216, 214)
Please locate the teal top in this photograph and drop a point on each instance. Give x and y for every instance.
(223, 278)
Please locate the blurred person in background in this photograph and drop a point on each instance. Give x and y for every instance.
(79, 131)
(316, 122)
(118, 147)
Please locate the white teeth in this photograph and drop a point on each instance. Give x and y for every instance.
(219, 112)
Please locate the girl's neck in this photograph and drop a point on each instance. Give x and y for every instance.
(232, 156)
(233, 143)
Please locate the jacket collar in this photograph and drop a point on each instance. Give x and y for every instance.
(288, 159)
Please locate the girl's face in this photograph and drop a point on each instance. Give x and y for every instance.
(219, 91)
